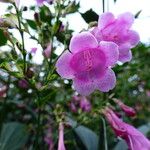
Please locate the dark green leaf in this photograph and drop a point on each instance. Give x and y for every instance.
(13, 136)
(87, 137)
(90, 16)
(3, 39)
(138, 13)
(32, 24)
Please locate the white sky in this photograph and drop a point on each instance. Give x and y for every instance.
(142, 24)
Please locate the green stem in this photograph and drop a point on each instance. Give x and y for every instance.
(22, 38)
(38, 129)
(105, 134)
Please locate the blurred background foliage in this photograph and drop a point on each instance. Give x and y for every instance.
(27, 112)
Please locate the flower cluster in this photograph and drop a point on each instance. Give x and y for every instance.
(93, 53)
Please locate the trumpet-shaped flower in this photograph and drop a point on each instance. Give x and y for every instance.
(118, 30)
(61, 145)
(89, 63)
(134, 138)
(129, 111)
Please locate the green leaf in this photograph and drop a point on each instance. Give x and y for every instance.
(90, 16)
(32, 24)
(138, 13)
(3, 39)
(13, 136)
(88, 138)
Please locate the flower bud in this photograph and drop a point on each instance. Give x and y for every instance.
(23, 84)
(47, 51)
(128, 110)
(85, 105)
(3, 91)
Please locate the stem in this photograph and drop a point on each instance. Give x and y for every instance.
(105, 134)
(38, 130)
(4, 112)
(22, 38)
(103, 3)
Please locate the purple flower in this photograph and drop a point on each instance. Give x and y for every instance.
(61, 145)
(128, 110)
(89, 63)
(34, 50)
(134, 138)
(118, 30)
(85, 105)
(23, 84)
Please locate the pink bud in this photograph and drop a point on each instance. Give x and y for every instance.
(85, 105)
(47, 51)
(3, 91)
(33, 50)
(73, 107)
(128, 110)
(62, 27)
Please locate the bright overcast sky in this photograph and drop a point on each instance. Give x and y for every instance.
(142, 24)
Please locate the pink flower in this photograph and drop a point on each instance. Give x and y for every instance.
(40, 2)
(118, 30)
(85, 105)
(128, 110)
(61, 145)
(134, 138)
(47, 51)
(88, 64)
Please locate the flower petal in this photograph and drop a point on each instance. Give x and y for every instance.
(63, 66)
(107, 82)
(126, 18)
(82, 41)
(133, 37)
(83, 87)
(125, 57)
(105, 19)
(111, 52)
